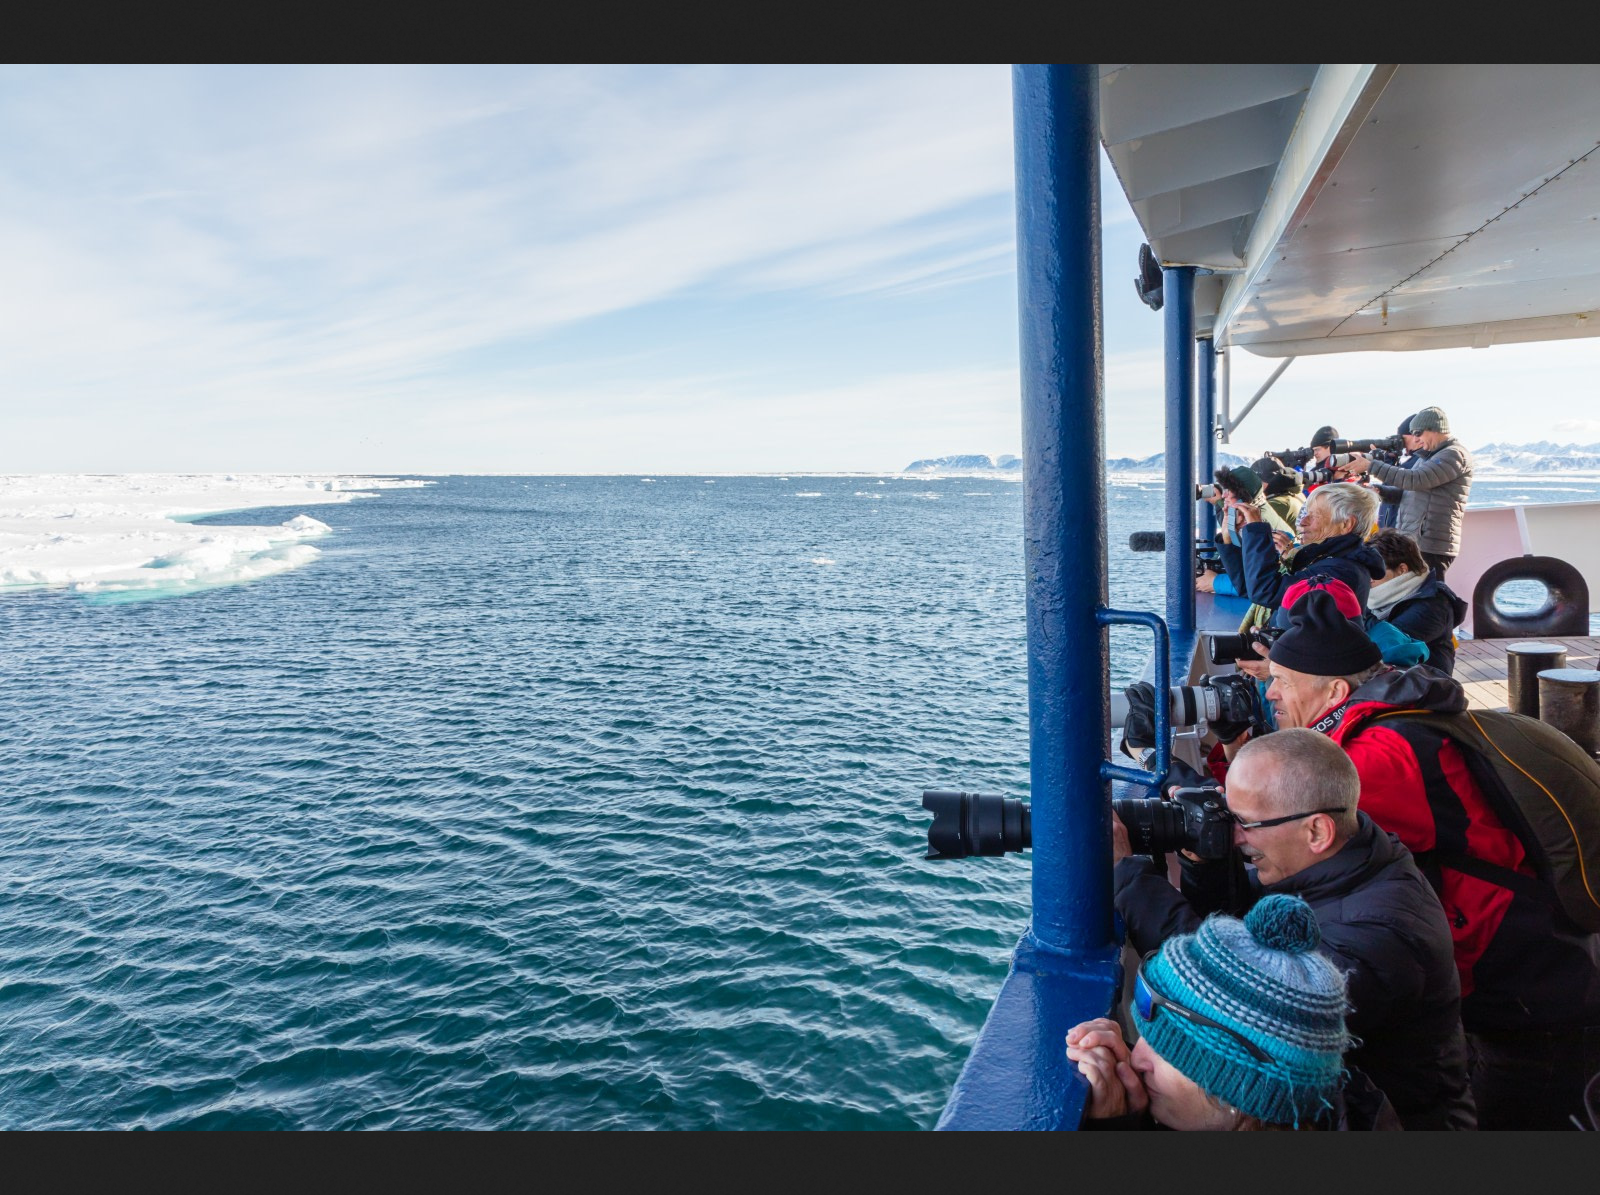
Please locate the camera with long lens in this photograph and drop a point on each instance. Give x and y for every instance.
(1388, 449)
(966, 824)
(1190, 819)
(1389, 444)
(1295, 458)
(1205, 493)
(1231, 698)
(1230, 649)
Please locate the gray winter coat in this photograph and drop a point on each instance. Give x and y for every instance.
(1434, 497)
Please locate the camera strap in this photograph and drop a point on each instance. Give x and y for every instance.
(1329, 722)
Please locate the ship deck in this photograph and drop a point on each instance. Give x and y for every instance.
(1481, 665)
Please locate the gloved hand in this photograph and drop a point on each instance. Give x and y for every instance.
(1139, 727)
(1226, 732)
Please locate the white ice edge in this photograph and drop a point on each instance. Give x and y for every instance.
(109, 533)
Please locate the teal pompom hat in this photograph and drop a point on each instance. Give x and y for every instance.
(1262, 978)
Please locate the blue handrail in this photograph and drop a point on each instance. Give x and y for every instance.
(1163, 704)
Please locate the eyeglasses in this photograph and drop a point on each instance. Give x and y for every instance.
(1278, 821)
(1146, 1000)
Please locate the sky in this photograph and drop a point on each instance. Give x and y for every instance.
(548, 270)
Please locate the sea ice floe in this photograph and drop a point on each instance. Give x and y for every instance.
(128, 534)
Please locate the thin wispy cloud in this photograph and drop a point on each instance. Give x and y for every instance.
(319, 235)
(292, 268)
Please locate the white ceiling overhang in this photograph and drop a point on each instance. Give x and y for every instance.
(1347, 207)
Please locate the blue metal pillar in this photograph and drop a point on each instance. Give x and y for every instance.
(1177, 289)
(1065, 967)
(1064, 504)
(1205, 457)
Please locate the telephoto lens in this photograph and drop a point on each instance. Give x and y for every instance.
(1205, 493)
(966, 824)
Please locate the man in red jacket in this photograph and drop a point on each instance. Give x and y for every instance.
(1530, 979)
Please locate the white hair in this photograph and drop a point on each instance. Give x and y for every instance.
(1346, 500)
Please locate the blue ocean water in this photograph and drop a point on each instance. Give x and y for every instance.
(534, 802)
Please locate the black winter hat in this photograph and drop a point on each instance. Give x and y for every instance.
(1321, 641)
(1324, 437)
(1275, 477)
(1405, 425)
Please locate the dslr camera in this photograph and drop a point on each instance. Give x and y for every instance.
(1220, 701)
(1230, 649)
(1190, 819)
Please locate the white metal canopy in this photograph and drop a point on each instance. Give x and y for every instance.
(1361, 206)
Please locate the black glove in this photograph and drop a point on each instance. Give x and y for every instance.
(1226, 732)
(1139, 727)
(1182, 775)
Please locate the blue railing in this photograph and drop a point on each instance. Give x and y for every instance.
(1066, 966)
(1162, 658)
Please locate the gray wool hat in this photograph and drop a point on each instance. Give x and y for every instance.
(1430, 419)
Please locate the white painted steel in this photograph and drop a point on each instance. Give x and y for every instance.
(1569, 531)
(1365, 206)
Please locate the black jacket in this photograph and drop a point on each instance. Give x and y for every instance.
(1381, 925)
(1345, 558)
(1431, 615)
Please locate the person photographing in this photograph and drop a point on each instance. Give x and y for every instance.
(1434, 491)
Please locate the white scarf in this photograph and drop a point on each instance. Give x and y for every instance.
(1386, 595)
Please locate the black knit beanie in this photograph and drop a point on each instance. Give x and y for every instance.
(1324, 436)
(1321, 641)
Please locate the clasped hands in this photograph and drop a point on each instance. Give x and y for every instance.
(1103, 1058)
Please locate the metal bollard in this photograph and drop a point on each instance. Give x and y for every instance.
(1569, 700)
(1524, 663)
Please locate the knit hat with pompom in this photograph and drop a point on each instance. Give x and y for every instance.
(1263, 978)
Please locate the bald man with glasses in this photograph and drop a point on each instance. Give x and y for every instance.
(1296, 829)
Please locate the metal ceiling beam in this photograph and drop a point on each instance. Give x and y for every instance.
(1341, 97)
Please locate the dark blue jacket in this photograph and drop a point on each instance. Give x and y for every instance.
(1431, 615)
(1344, 558)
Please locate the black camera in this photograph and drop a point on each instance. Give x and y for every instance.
(1191, 819)
(1390, 444)
(966, 824)
(1230, 649)
(1294, 458)
(1229, 705)
(1232, 698)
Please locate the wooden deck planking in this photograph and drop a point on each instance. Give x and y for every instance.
(1481, 666)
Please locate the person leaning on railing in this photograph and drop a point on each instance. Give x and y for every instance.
(1331, 542)
(1241, 1026)
(1436, 489)
(1292, 796)
(1237, 490)
(1530, 982)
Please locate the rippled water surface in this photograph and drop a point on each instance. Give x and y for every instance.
(534, 802)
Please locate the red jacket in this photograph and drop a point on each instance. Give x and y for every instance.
(1522, 964)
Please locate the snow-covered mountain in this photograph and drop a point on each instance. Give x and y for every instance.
(1007, 463)
(1539, 457)
(1158, 463)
